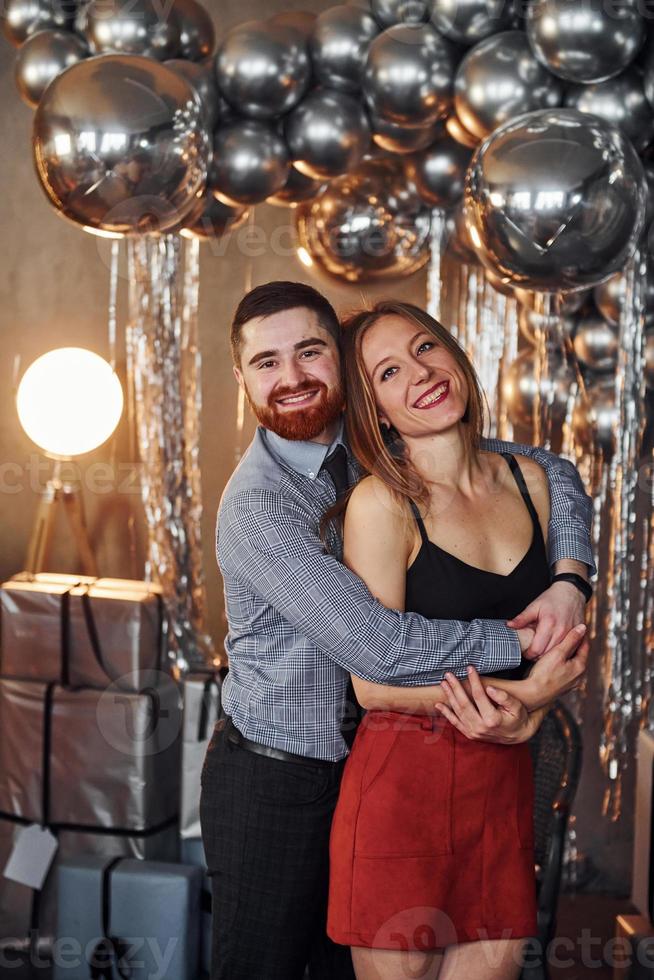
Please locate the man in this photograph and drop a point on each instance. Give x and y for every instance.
(300, 622)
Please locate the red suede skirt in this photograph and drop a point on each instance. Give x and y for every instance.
(432, 842)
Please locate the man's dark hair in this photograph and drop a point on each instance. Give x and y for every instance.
(276, 297)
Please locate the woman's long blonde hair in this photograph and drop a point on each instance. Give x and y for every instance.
(380, 453)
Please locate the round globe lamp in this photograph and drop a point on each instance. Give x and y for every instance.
(69, 402)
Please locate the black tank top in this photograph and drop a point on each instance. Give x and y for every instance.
(441, 586)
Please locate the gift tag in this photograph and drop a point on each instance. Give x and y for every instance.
(30, 860)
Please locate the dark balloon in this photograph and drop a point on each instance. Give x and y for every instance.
(500, 78)
(202, 78)
(439, 171)
(585, 42)
(296, 190)
(596, 344)
(399, 139)
(263, 68)
(367, 225)
(470, 21)
(328, 134)
(119, 145)
(250, 162)
(42, 57)
(409, 75)
(389, 12)
(555, 200)
(620, 101)
(197, 37)
(140, 27)
(22, 18)
(458, 132)
(339, 46)
(213, 219)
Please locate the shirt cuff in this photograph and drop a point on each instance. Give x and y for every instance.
(580, 551)
(501, 648)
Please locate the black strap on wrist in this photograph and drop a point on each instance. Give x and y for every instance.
(584, 587)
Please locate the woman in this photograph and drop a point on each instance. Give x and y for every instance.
(432, 865)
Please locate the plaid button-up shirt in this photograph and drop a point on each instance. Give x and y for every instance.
(300, 621)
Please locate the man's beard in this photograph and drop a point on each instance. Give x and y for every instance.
(302, 424)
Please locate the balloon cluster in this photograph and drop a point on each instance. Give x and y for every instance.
(588, 324)
(139, 121)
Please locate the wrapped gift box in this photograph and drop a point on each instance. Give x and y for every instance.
(153, 912)
(192, 852)
(22, 910)
(82, 631)
(201, 697)
(87, 759)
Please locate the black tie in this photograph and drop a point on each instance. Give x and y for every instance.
(336, 466)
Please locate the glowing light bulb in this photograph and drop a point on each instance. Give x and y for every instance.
(69, 401)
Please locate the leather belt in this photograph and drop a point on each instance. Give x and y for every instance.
(234, 736)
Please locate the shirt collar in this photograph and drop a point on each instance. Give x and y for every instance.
(306, 458)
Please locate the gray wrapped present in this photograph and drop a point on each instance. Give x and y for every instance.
(201, 696)
(138, 917)
(192, 852)
(27, 915)
(82, 632)
(86, 759)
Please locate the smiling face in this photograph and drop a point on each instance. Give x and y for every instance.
(419, 386)
(291, 372)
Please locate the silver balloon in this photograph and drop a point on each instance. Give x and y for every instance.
(409, 73)
(500, 78)
(390, 12)
(139, 27)
(263, 68)
(585, 42)
(457, 237)
(119, 145)
(520, 388)
(212, 219)
(197, 36)
(567, 303)
(296, 190)
(328, 134)
(367, 225)
(439, 172)
(649, 358)
(22, 18)
(202, 78)
(470, 21)
(620, 101)
(339, 46)
(302, 21)
(555, 327)
(555, 200)
(399, 139)
(596, 418)
(596, 344)
(250, 162)
(42, 57)
(458, 132)
(609, 296)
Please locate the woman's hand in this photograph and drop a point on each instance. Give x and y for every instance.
(558, 671)
(488, 714)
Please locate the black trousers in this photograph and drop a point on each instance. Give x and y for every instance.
(265, 828)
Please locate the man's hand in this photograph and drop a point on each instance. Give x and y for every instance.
(487, 715)
(558, 671)
(552, 615)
